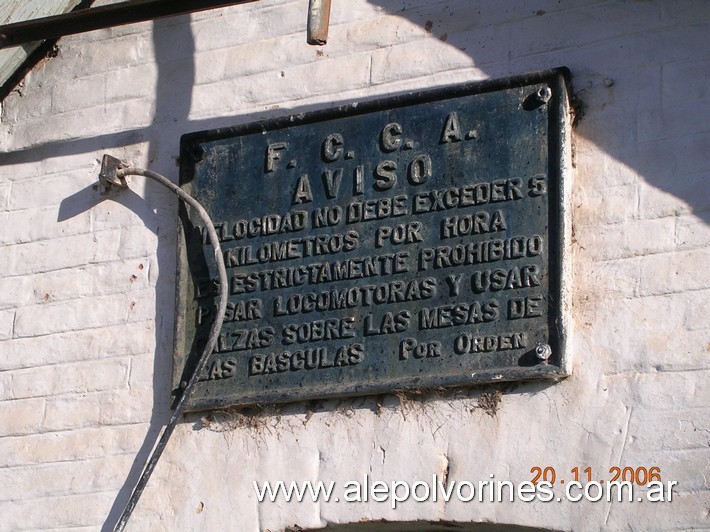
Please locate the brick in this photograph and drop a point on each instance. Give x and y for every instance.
(137, 81)
(692, 232)
(634, 93)
(269, 87)
(644, 333)
(133, 115)
(109, 50)
(21, 417)
(673, 15)
(205, 94)
(72, 412)
(212, 65)
(37, 94)
(676, 352)
(102, 408)
(7, 323)
(669, 121)
(633, 239)
(40, 224)
(135, 406)
(651, 349)
(130, 209)
(78, 314)
(374, 33)
(134, 244)
(608, 280)
(599, 169)
(689, 512)
(66, 478)
(407, 61)
(590, 25)
(7, 259)
(611, 205)
(346, 15)
(696, 315)
(675, 272)
(673, 157)
(143, 372)
(59, 160)
(31, 257)
(60, 379)
(51, 190)
(665, 390)
(641, 334)
(682, 466)
(671, 45)
(450, 22)
(81, 93)
(686, 80)
(17, 291)
(83, 122)
(226, 28)
(57, 512)
(4, 196)
(453, 16)
(690, 189)
(73, 445)
(70, 283)
(90, 344)
(115, 244)
(670, 430)
(283, 53)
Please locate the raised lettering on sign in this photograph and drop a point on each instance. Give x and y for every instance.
(410, 242)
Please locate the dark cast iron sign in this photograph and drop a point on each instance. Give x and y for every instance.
(410, 242)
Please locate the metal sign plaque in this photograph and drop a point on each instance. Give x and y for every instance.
(410, 242)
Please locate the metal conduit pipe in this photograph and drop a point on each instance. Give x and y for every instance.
(318, 21)
(130, 12)
(113, 175)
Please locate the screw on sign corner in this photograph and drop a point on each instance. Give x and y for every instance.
(538, 98)
(543, 351)
(544, 94)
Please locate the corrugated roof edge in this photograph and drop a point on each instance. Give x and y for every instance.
(44, 49)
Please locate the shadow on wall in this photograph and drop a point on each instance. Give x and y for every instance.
(647, 86)
(644, 91)
(173, 97)
(176, 79)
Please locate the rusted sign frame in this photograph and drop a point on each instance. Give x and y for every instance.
(550, 95)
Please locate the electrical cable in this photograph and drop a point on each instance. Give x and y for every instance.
(120, 173)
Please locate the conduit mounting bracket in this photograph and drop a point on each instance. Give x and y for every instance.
(109, 177)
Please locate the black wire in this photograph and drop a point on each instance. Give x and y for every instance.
(154, 456)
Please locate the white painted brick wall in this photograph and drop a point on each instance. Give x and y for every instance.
(87, 284)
